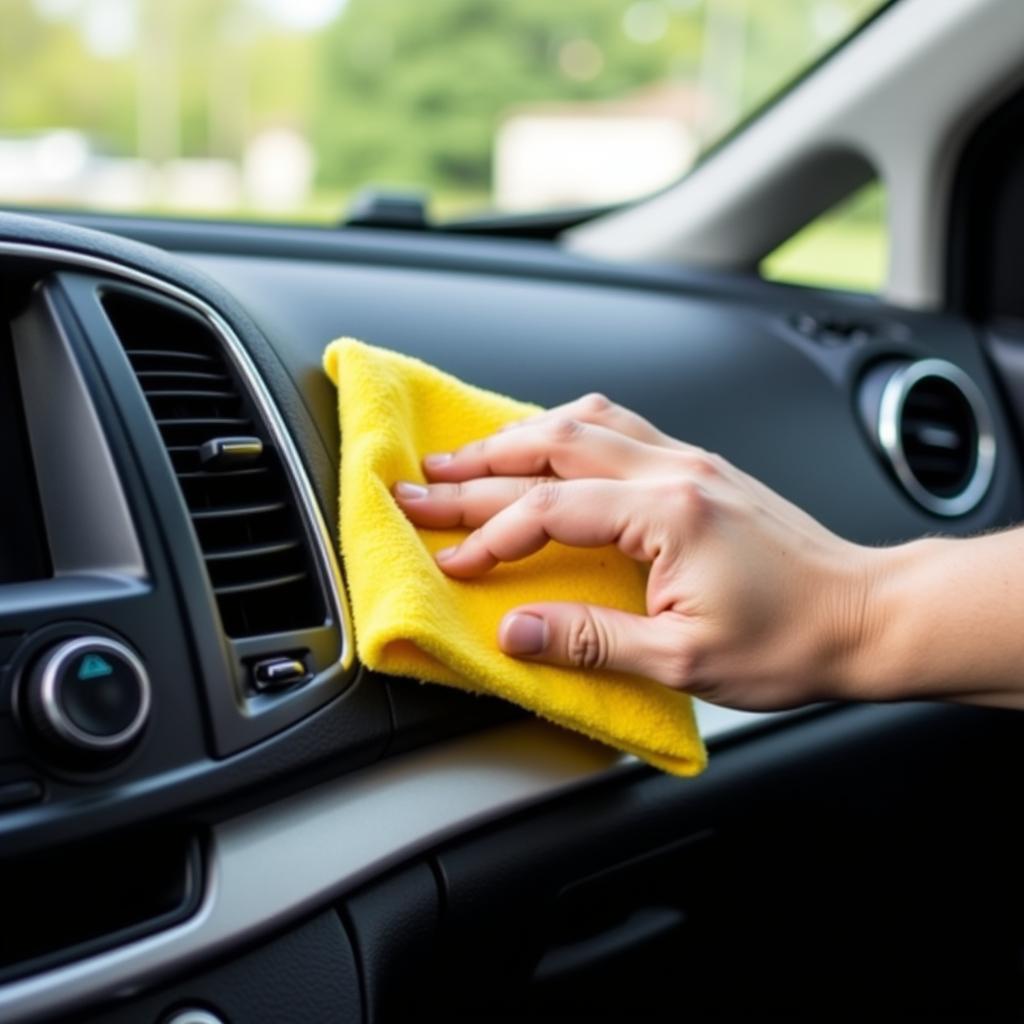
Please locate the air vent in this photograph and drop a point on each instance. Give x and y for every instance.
(242, 508)
(934, 428)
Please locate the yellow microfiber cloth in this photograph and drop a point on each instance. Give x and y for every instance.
(412, 620)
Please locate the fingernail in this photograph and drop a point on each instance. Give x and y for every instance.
(524, 634)
(445, 553)
(440, 459)
(404, 489)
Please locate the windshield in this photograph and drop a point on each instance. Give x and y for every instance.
(285, 109)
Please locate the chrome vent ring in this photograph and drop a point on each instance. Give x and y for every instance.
(934, 428)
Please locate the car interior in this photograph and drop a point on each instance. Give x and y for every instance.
(259, 829)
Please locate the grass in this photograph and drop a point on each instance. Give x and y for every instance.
(832, 253)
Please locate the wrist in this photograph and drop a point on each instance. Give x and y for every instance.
(886, 649)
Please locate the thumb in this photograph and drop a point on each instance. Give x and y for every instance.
(589, 636)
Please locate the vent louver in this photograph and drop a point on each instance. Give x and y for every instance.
(243, 513)
(935, 429)
(939, 435)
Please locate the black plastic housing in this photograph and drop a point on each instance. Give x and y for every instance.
(125, 565)
(79, 899)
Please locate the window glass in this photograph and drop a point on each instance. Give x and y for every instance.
(847, 247)
(285, 108)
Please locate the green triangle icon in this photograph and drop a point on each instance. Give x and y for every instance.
(93, 666)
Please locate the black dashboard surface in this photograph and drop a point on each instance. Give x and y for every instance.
(729, 372)
(726, 363)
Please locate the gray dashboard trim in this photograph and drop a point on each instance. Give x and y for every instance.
(89, 526)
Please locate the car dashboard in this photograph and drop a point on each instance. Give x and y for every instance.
(205, 800)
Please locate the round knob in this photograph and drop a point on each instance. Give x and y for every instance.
(194, 1015)
(90, 694)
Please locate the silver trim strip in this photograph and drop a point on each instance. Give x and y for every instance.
(310, 507)
(890, 414)
(58, 718)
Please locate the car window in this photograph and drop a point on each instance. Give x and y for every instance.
(846, 247)
(285, 108)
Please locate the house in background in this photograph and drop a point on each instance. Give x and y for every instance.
(595, 153)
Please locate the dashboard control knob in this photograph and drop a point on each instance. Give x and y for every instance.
(194, 1015)
(90, 695)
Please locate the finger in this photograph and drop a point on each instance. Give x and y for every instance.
(582, 513)
(595, 408)
(591, 637)
(565, 448)
(447, 506)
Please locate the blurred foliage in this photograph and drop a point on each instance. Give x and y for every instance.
(48, 79)
(404, 91)
(224, 67)
(413, 92)
(847, 247)
(398, 92)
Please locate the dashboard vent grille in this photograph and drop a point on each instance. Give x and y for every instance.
(244, 516)
(939, 435)
(934, 427)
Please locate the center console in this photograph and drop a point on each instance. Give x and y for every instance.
(173, 627)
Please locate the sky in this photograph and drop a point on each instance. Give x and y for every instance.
(109, 25)
(306, 14)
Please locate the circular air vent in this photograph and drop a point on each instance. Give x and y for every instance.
(934, 427)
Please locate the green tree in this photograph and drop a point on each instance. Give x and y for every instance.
(413, 92)
(48, 79)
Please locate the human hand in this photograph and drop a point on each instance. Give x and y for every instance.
(751, 602)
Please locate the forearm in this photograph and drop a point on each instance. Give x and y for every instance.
(945, 619)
